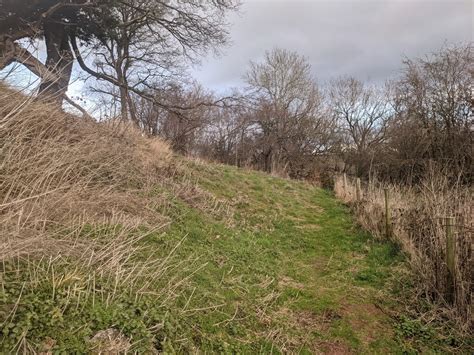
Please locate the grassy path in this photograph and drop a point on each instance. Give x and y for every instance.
(287, 269)
(247, 264)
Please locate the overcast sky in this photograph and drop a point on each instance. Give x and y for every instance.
(367, 39)
(363, 38)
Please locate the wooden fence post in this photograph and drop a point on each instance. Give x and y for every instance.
(358, 190)
(344, 177)
(388, 223)
(450, 257)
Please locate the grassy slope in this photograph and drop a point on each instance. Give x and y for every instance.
(274, 265)
(293, 272)
(296, 273)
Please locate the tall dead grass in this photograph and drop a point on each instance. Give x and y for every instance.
(57, 170)
(418, 227)
(76, 204)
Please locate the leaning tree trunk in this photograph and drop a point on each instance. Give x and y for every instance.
(59, 61)
(123, 103)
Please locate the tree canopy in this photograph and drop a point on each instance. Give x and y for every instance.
(151, 34)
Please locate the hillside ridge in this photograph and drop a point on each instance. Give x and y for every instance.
(112, 243)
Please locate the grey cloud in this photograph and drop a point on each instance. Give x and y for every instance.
(364, 38)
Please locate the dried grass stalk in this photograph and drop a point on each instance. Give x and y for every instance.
(418, 228)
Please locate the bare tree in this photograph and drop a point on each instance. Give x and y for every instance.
(179, 127)
(124, 33)
(434, 106)
(227, 136)
(363, 112)
(288, 109)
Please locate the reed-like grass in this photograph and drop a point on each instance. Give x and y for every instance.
(75, 207)
(417, 225)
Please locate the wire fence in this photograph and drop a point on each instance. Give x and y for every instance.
(433, 224)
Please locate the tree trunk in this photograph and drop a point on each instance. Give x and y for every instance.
(123, 103)
(59, 61)
(132, 109)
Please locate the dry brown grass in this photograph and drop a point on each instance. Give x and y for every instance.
(417, 226)
(57, 170)
(75, 193)
(77, 201)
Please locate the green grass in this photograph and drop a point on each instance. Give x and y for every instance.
(273, 266)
